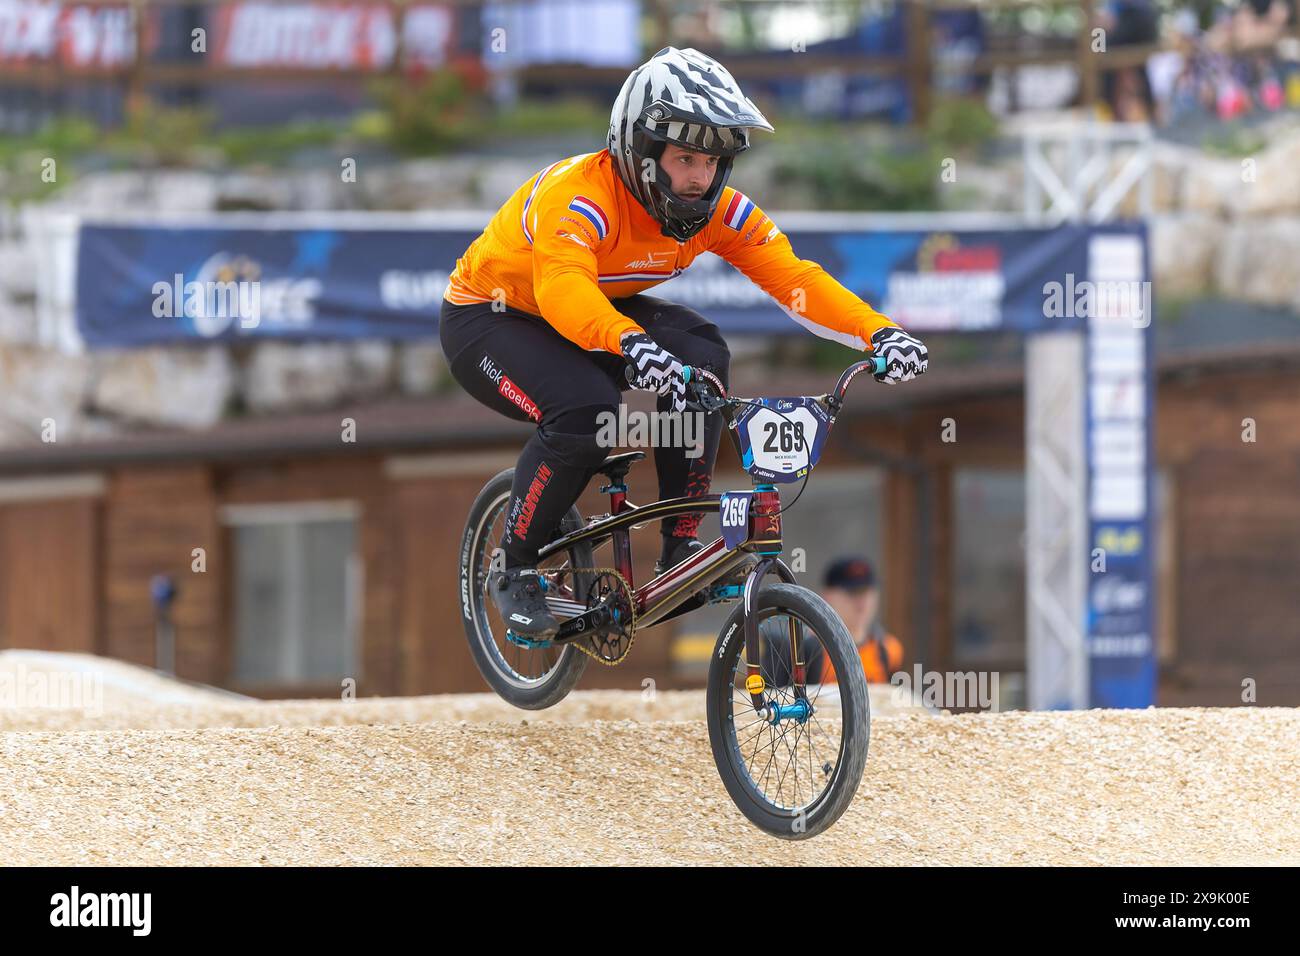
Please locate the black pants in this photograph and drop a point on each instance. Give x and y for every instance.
(517, 364)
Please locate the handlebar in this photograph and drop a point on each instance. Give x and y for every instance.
(704, 391)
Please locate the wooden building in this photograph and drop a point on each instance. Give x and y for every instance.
(302, 559)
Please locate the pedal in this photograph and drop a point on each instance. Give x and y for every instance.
(529, 643)
(726, 592)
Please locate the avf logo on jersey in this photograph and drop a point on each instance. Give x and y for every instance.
(653, 260)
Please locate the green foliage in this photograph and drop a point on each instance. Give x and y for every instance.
(1234, 141)
(961, 124)
(874, 167)
(1172, 309)
(549, 117)
(430, 118)
(67, 134)
(435, 115)
(440, 115)
(22, 158)
(242, 145)
(162, 135)
(846, 173)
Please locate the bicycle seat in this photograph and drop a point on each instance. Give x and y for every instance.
(615, 467)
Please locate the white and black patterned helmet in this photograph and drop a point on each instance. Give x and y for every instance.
(686, 98)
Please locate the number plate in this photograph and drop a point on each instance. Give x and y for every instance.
(782, 438)
(734, 512)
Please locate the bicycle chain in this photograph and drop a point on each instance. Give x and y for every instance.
(581, 644)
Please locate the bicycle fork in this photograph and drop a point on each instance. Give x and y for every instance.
(765, 540)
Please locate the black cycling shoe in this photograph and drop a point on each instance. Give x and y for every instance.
(683, 549)
(686, 547)
(519, 595)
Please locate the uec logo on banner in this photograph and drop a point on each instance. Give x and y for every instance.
(231, 287)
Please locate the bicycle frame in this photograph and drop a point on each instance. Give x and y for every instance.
(659, 597)
(656, 601)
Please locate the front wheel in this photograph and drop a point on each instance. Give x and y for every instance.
(794, 766)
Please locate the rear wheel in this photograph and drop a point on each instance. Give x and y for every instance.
(528, 677)
(795, 767)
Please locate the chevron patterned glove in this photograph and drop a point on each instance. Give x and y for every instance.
(654, 368)
(906, 355)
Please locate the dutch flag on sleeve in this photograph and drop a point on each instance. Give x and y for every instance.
(585, 207)
(738, 211)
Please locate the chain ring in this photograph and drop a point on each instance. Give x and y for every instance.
(610, 644)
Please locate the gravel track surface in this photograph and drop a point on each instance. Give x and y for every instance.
(607, 777)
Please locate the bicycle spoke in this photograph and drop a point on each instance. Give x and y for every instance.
(780, 786)
(777, 755)
(780, 770)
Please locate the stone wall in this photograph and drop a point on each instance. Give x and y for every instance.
(1221, 227)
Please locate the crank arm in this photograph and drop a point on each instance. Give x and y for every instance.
(576, 627)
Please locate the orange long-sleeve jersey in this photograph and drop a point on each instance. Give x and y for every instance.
(573, 237)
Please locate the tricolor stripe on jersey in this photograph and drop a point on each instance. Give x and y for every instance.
(738, 211)
(585, 207)
(528, 233)
(639, 276)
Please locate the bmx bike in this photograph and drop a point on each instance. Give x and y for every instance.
(789, 748)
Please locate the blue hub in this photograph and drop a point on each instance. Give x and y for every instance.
(799, 711)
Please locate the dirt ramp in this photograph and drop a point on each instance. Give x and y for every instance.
(1184, 787)
(210, 710)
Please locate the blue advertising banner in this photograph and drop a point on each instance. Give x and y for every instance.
(965, 281)
(140, 285)
(1120, 411)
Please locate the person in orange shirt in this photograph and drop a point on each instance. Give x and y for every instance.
(850, 588)
(546, 311)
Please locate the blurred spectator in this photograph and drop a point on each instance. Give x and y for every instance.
(849, 587)
(1257, 25)
(1127, 92)
(1228, 71)
(1172, 71)
(957, 38)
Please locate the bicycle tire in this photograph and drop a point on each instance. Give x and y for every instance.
(512, 687)
(783, 822)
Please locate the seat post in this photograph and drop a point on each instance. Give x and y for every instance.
(615, 468)
(617, 488)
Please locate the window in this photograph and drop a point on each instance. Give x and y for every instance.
(989, 569)
(296, 579)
